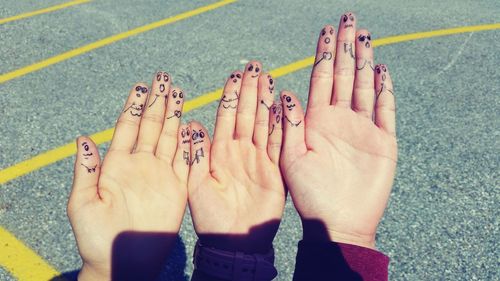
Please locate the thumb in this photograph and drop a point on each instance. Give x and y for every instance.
(87, 169)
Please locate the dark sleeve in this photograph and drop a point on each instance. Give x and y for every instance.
(200, 276)
(339, 261)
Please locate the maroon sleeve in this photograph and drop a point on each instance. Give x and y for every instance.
(339, 261)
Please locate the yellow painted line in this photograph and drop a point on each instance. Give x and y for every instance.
(109, 40)
(43, 11)
(54, 155)
(21, 262)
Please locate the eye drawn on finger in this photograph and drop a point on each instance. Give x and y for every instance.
(381, 70)
(290, 105)
(230, 101)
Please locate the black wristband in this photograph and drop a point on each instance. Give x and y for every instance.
(234, 265)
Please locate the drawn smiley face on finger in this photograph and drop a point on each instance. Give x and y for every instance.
(86, 154)
(348, 20)
(324, 33)
(271, 84)
(177, 95)
(185, 134)
(366, 39)
(381, 70)
(139, 90)
(288, 102)
(235, 77)
(253, 69)
(163, 78)
(197, 136)
(276, 109)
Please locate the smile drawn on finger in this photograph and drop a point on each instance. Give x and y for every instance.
(89, 169)
(292, 123)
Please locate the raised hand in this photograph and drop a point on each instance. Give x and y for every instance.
(141, 185)
(339, 160)
(236, 193)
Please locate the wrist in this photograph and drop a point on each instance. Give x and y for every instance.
(315, 230)
(89, 273)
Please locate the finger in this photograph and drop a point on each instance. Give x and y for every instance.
(154, 114)
(320, 92)
(226, 113)
(127, 126)
(200, 155)
(385, 107)
(169, 134)
(183, 155)
(344, 61)
(293, 126)
(275, 132)
(87, 169)
(245, 114)
(364, 94)
(265, 101)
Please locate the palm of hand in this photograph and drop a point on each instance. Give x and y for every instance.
(244, 185)
(348, 170)
(139, 193)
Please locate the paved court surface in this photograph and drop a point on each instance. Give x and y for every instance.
(442, 222)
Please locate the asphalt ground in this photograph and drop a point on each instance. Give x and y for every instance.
(442, 222)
